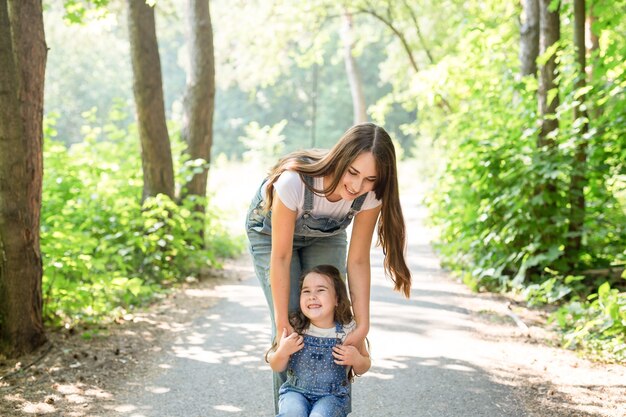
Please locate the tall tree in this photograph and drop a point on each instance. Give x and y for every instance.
(548, 98)
(200, 95)
(578, 177)
(352, 69)
(156, 153)
(529, 37)
(23, 54)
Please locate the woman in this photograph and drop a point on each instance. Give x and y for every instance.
(298, 220)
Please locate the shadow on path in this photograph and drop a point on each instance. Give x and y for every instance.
(215, 368)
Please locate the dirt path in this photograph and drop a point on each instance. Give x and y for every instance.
(444, 352)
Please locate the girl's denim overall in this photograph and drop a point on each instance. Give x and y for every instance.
(316, 241)
(315, 384)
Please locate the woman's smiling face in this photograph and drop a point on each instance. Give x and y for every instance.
(318, 300)
(358, 179)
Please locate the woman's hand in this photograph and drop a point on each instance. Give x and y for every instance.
(283, 325)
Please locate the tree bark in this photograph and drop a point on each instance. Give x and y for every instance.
(23, 54)
(529, 37)
(156, 153)
(548, 101)
(592, 39)
(592, 42)
(549, 35)
(352, 70)
(200, 95)
(578, 178)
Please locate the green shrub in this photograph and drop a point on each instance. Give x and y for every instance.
(596, 325)
(104, 252)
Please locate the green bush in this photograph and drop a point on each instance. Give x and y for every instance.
(502, 204)
(104, 252)
(596, 325)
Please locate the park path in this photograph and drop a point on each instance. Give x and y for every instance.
(443, 352)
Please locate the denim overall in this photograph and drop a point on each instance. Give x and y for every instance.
(316, 241)
(315, 383)
(307, 225)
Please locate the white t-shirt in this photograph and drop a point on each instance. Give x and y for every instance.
(330, 332)
(290, 189)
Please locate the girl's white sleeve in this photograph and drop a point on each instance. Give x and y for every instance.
(290, 190)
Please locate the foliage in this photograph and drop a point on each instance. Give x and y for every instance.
(79, 11)
(503, 205)
(297, 68)
(104, 252)
(85, 74)
(265, 143)
(597, 325)
(439, 80)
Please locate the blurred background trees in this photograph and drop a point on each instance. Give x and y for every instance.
(515, 111)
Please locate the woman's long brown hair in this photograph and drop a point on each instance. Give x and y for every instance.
(365, 137)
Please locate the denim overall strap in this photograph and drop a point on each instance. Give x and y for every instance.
(356, 206)
(308, 195)
(357, 203)
(308, 198)
(339, 332)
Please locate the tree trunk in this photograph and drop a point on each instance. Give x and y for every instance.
(592, 42)
(529, 37)
(546, 145)
(23, 54)
(550, 34)
(578, 179)
(352, 70)
(200, 96)
(156, 154)
(592, 39)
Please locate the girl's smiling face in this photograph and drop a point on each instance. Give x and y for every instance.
(318, 300)
(358, 179)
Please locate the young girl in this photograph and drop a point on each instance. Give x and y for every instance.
(299, 215)
(319, 367)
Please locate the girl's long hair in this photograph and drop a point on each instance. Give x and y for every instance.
(365, 137)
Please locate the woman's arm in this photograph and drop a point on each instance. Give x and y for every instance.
(283, 224)
(359, 274)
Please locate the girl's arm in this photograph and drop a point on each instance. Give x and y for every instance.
(357, 358)
(283, 224)
(359, 274)
(287, 346)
